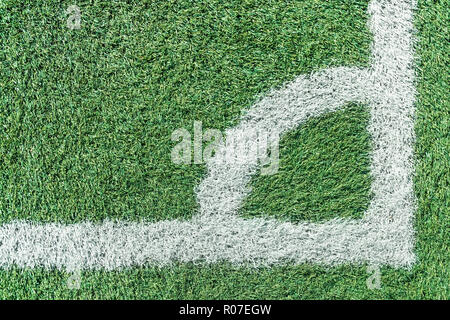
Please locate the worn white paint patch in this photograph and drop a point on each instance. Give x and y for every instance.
(383, 236)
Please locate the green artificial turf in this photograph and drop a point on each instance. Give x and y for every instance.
(324, 171)
(86, 117)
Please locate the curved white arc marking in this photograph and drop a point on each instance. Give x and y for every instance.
(225, 186)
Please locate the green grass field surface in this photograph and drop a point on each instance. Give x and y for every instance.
(86, 118)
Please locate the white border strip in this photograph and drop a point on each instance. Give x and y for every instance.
(384, 236)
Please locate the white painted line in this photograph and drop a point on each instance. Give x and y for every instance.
(384, 235)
